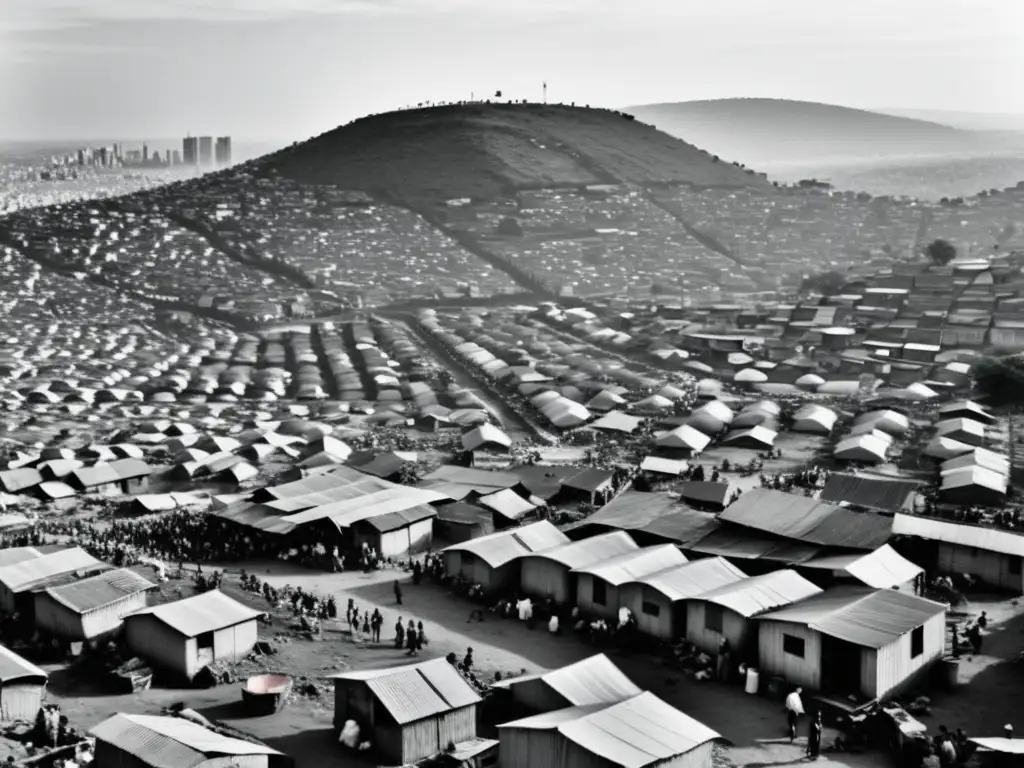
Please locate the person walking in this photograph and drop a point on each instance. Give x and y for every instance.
(794, 708)
(399, 634)
(375, 624)
(467, 660)
(411, 640)
(398, 593)
(366, 625)
(722, 666)
(421, 636)
(814, 737)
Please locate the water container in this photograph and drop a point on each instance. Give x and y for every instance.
(950, 670)
(753, 681)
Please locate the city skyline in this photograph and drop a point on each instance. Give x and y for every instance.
(299, 68)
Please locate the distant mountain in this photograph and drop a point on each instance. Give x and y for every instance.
(485, 150)
(766, 132)
(968, 121)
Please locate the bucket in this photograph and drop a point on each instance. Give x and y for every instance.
(753, 681)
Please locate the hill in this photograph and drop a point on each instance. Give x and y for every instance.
(778, 131)
(485, 150)
(968, 121)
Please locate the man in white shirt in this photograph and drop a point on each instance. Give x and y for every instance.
(794, 708)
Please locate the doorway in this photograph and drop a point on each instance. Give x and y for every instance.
(840, 667)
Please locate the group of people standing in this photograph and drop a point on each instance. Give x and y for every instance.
(794, 711)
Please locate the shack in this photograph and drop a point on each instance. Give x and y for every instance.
(18, 580)
(185, 636)
(22, 684)
(885, 568)
(550, 573)
(594, 680)
(409, 712)
(91, 608)
(494, 561)
(597, 585)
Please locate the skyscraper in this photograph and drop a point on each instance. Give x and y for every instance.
(145, 153)
(223, 150)
(190, 150)
(205, 150)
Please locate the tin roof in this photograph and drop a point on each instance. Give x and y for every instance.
(23, 575)
(207, 612)
(100, 590)
(596, 549)
(171, 742)
(971, 536)
(633, 733)
(808, 520)
(594, 680)
(393, 521)
(13, 667)
(483, 436)
(693, 578)
(883, 569)
(15, 555)
(416, 691)
(881, 493)
(631, 566)
(497, 549)
(507, 503)
(658, 514)
(872, 618)
(758, 594)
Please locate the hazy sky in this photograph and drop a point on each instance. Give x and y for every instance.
(289, 69)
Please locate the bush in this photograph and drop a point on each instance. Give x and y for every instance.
(1001, 379)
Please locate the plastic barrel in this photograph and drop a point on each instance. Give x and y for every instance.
(753, 681)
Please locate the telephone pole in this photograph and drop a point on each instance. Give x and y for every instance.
(545, 93)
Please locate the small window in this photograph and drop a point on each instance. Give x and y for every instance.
(712, 617)
(917, 642)
(1015, 565)
(650, 609)
(793, 645)
(205, 640)
(600, 593)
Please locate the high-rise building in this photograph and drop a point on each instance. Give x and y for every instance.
(145, 153)
(176, 158)
(205, 150)
(105, 157)
(223, 150)
(81, 157)
(190, 150)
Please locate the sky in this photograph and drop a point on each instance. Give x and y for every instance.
(285, 70)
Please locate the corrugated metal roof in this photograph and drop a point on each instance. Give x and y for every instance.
(659, 514)
(758, 594)
(207, 612)
(808, 520)
(97, 591)
(982, 457)
(705, 491)
(693, 578)
(872, 492)
(171, 742)
(508, 503)
(13, 667)
(594, 680)
(394, 521)
(415, 691)
(482, 480)
(684, 438)
(15, 555)
(631, 566)
(579, 554)
(23, 575)
(497, 549)
(872, 618)
(976, 536)
(483, 435)
(883, 569)
(748, 544)
(634, 733)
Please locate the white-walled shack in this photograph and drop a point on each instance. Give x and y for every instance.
(853, 641)
(550, 573)
(658, 601)
(187, 635)
(635, 733)
(992, 556)
(19, 579)
(409, 712)
(153, 741)
(885, 568)
(726, 611)
(594, 680)
(93, 607)
(21, 687)
(493, 561)
(973, 485)
(397, 534)
(597, 585)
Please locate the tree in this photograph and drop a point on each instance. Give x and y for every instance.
(1001, 379)
(825, 283)
(941, 252)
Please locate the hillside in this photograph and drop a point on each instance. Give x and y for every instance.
(484, 150)
(778, 131)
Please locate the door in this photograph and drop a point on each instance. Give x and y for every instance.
(840, 667)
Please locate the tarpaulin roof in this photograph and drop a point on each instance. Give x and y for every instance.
(758, 594)
(497, 549)
(871, 618)
(631, 566)
(632, 733)
(808, 520)
(693, 578)
(206, 612)
(594, 680)
(871, 491)
(579, 554)
(970, 536)
(171, 742)
(416, 691)
(883, 569)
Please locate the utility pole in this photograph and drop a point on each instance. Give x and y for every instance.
(545, 93)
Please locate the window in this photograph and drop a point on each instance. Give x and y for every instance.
(793, 645)
(650, 609)
(712, 617)
(1015, 565)
(600, 595)
(917, 642)
(205, 640)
